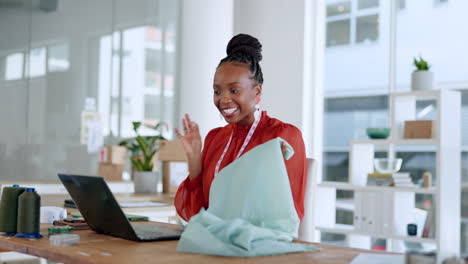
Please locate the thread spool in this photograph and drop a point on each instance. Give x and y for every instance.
(427, 179)
(29, 204)
(9, 209)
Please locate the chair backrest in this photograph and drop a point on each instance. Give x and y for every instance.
(305, 227)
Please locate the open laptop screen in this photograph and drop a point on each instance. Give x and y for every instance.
(98, 205)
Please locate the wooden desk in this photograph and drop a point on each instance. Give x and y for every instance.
(97, 248)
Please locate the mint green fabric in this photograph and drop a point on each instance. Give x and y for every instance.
(251, 210)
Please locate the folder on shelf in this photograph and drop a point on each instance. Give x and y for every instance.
(386, 213)
(357, 210)
(429, 225)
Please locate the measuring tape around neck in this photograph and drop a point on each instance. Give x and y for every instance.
(246, 141)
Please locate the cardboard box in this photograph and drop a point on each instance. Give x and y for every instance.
(113, 155)
(171, 150)
(418, 129)
(111, 172)
(174, 167)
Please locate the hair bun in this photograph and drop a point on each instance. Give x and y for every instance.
(246, 44)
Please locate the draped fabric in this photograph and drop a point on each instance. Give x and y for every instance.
(193, 195)
(244, 219)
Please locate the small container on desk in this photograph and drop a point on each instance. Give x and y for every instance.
(64, 240)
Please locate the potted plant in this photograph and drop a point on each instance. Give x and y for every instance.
(422, 78)
(143, 150)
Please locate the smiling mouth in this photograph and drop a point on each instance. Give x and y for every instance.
(229, 112)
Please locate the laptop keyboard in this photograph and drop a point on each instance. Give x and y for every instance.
(150, 232)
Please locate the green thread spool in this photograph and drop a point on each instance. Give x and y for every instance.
(9, 208)
(29, 204)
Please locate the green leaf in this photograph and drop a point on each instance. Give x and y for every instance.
(143, 145)
(149, 157)
(138, 165)
(136, 125)
(147, 146)
(148, 167)
(152, 141)
(134, 147)
(156, 127)
(421, 64)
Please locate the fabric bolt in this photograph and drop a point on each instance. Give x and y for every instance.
(245, 219)
(193, 195)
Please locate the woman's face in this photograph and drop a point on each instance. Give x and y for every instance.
(235, 92)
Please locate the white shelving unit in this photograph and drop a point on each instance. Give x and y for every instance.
(351, 187)
(384, 212)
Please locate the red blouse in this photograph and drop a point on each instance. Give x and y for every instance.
(192, 195)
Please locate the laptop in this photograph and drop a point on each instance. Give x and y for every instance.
(103, 214)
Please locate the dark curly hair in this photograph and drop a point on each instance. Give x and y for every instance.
(246, 49)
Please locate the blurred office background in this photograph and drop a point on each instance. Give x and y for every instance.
(326, 66)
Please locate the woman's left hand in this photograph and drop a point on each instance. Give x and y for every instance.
(284, 149)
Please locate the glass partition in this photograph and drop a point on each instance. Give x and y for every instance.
(59, 53)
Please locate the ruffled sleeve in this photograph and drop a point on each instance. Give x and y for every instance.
(189, 198)
(296, 166)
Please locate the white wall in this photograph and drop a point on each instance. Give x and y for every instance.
(206, 28)
(279, 26)
(292, 61)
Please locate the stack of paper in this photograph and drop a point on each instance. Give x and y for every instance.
(379, 179)
(402, 180)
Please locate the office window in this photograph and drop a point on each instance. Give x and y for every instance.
(152, 80)
(367, 28)
(152, 60)
(352, 22)
(37, 62)
(338, 32)
(339, 8)
(58, 58)
(363, 4)
(152, 68)
(152, 107)
(14, 66)
(353, 115)
(143, 63)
